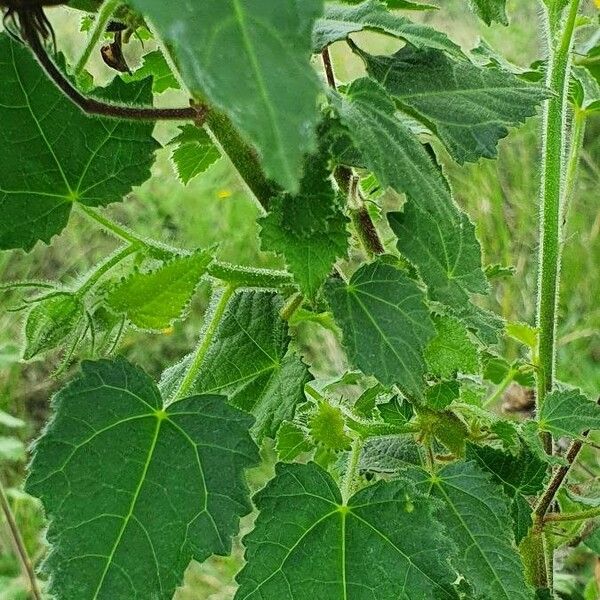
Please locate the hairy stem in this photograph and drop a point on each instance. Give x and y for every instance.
(361, 219)
(212, 320)
(349, 479)
(19, 545)
(106, 266)
(583, 515)
(233, 274)
(102, 18)
(551, 195)
(91, 106)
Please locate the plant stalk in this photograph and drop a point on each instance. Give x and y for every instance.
(551, 197)
(106, 266)
(347, 487)
(19, 544)
(102, 18)
(213, 318)
(583, 515)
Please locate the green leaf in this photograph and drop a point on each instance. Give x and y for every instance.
(384, 543)
(53, 155)
(154, 300)
(389, 455)
(568, 412)
(340, 21)
(585, 90)
(432, 233)
(490, 10)
(135, 489)
(524, 333)
(476, 515)
(451, 350)
(398, 4)
(154, 65)
(327, 428)
(520, 476)
(254, 64)
(195, 152)
(250, 362)
(308, 229)
(442, 394)
(385, 324)
(424, 83)
(292, 440)
(50, 321)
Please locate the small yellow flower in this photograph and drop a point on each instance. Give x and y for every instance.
(168, 331)
(223, 194)
(597, 3)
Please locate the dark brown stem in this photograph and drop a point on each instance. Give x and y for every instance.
(361, 219)
(558, 479)
(95, 107)
(329, 74)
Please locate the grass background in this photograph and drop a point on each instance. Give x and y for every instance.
(500, 196)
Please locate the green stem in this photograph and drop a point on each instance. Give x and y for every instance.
(583, 515)
(347, 487)
(577, 138)
(552, 189)
(213, 318)
(501, 388)
(19, 544)
(291, 306)
(233, 274)
(102, 18)
(113, 227)
(106, 266)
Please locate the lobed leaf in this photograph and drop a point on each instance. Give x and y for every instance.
(340, 21)
(385, 324)
(53, 155)
(383, 543)
(253, 63)
(476, 515)
(133, 488)
(432, 233)
(520, 476)
(451, 350)
(309, 229)
(568, 412)
(250, 361)
(469, 108)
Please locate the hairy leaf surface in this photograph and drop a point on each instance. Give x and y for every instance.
(385, 323)
(468, 107)
(476, 515)
(432, 233)
(490, 11)
(520, 476)
(194, 152)
(340, 21)
(252, 62)
(135, 489)
(54, 155)
(384, 543)
(568, 412)
(309, 228)
(251, 363)
(451, 350)
(155, 299)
